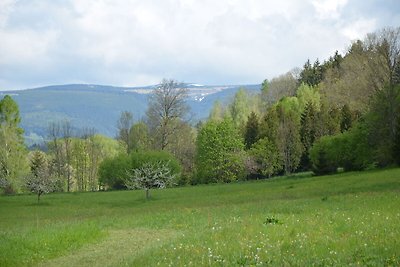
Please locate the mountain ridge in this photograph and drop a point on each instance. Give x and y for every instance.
(99, 106)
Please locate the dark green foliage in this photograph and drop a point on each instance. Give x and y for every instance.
(138, 159)
(251, 130)
(272, 220)
(382, 124)
(308, 133)
(322, 163)
(113, 171)
(269, 125)
(396, 147)
(347, 118)
(314, 74)
(266, 157)
(350, 150)
(311, 74)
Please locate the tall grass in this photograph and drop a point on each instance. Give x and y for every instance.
(343, 219)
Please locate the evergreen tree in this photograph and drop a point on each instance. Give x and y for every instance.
(267, 157)
(307, 134)
(346, 118)
(268, 127)
(251, 130)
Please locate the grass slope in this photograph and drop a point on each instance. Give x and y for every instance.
(345, 219)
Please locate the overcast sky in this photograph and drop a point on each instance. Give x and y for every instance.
(134, 43)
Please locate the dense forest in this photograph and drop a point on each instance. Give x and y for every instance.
(341, 114)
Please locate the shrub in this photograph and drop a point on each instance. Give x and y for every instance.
(349, 150)
(114, 172)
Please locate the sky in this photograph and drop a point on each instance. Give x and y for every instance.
(137, 43)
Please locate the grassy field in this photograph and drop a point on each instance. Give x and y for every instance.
(344, 219)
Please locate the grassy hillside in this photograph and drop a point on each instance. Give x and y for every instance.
(338, 220)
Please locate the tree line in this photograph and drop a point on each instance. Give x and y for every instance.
(341, 114)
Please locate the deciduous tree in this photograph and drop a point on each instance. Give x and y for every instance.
(150, 175)
(40, 181)
(12, 150)
(167, 105)
(219, 152)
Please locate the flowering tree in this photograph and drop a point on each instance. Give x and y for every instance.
(40, 180)
(150, 175)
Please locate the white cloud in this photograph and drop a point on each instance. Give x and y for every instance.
(139, 42)
(6, 6)
(359, 28)
(328, 9)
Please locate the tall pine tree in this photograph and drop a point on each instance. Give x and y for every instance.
(251, 130)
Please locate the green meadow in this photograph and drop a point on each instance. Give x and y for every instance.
(344, 219)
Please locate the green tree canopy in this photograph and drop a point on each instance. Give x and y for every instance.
(219, 152)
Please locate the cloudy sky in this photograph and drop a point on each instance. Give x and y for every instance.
(134, 43)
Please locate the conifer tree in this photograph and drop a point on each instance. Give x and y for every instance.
(307, 133)
(251, 130)
(346, 118)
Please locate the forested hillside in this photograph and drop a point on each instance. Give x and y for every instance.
(98, 107)
(334, 114)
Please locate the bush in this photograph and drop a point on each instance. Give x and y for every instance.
(349, 150)
(113, 172)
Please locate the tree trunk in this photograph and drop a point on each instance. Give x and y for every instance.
(147, 193)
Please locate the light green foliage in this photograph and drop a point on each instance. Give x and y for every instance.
(86, 155)
(217, 112)
(139, 137)
(114, 172)
(109, 147)
(307, 94)
(290, 105)
(241, 106)
(288, 134)
(13, 163)
(348, 219)
(183, 147)
(219, 152)
(267, 157)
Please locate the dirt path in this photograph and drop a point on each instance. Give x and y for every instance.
(120, 247)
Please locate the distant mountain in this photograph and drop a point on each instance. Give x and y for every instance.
(99, 107)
